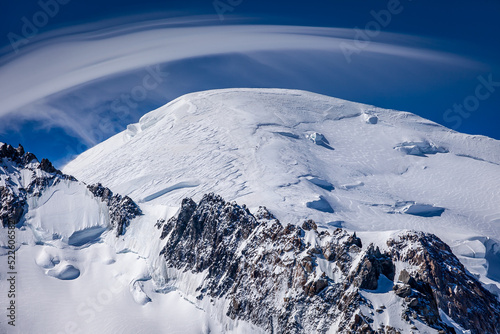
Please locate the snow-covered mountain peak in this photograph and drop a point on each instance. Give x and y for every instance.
(340, 163)
(305, 155)
(361, 203)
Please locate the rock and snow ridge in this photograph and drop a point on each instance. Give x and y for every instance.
(244, 267)
(29, 185)
(297, 280)
(340, 163)
(317, 163)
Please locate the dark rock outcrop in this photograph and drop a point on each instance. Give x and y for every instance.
(271, 275)
(372, 265)
(47, 166)
(441, 275)
(12, 206)
(23, 159)
(13, 197)
(290, 279)
(121, 209)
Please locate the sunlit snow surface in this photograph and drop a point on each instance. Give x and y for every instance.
(390, 169)
(300, 154)
(254, 146)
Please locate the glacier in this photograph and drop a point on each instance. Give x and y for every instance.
(377, 172)
(252, 146)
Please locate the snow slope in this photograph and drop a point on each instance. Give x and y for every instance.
(305, 155)
(72, 273)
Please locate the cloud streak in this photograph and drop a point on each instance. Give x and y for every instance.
(72, 59)
(92, 80)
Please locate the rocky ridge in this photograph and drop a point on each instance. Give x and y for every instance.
(121, 209)
(18, 167)
(290, 279)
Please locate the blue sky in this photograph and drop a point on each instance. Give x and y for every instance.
(74, 73)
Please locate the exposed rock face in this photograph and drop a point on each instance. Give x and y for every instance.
(23, 159)
(267, 271)
(47, 166)
(372, 266)
(44, 174)
(298, 280)
(441, 274)
(121, 209)
(13, 198)
(11, 206)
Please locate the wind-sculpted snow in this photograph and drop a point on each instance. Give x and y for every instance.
(420, 148)
(309, 155)
(298, 280)
(324, 167)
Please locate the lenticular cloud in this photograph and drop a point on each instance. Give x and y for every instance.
(71, 57)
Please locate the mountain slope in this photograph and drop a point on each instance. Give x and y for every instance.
(340, 163)
(59, 237)
(297, 280)
(35, 194)
(353, 195)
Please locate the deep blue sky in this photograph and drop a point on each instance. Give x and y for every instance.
(468, 29)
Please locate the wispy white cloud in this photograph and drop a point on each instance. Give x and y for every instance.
(69, 58)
